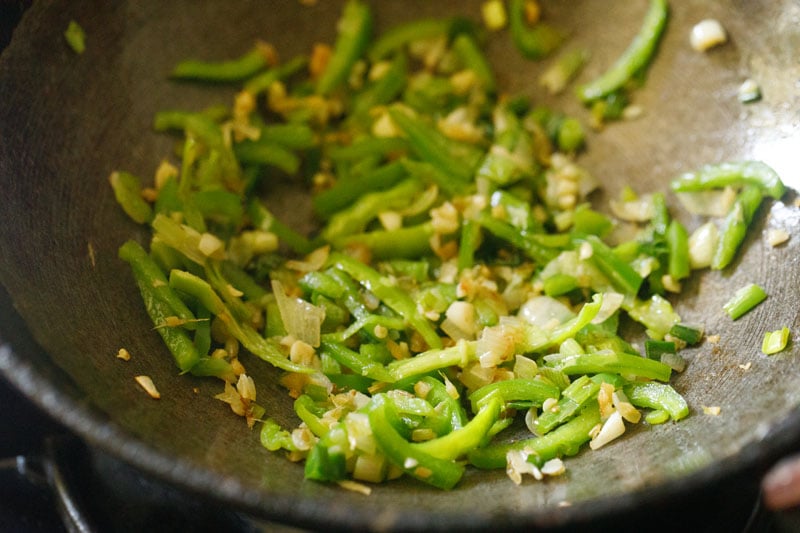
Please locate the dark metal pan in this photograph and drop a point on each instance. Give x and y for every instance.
(68, 303)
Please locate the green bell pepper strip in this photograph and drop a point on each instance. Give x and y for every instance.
(571, 136)
(213, 367)
(440, 473)
(326, 460)
(440, 398)
(408, 242)
(559, 284)
(517, 211)
(567, 330)
(261, 82)
(468, 244)
(731, 174)
(453, 158)
(397, 37)
(176, 339)
(461, 441)
(356, 361)
(354, 32)
(75, 36)
(744, 300)
(654, 349)
(678, 246)
(355, 218)
(367, 146)
(531, 391)
(241, 312)
(128, 193)
(775, 341)
(351, 297)
(688, 334)
(574, 398)
(587, 221)
(564, 440)
(219, 205)
(267, 152)
(383, 90)
(264, 220)
(202, 331)
(250, 338)
(620, 273)
(635, 58)
(345, 192)
(618, 363)
(473, 58)
(273, 437)
(239, 278)
(304, 407)
(321, 282)
(431, 174)
(147, 271)
(658, 396)
(534, 42)
(391, 295)
(563, 70)
(295, 136)
(734, 227)
(223, 71)
(520, 239)
(437, 359)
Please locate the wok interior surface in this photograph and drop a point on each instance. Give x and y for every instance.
(68, 120)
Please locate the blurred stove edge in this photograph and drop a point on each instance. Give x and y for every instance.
(10, 13)
(51, 481)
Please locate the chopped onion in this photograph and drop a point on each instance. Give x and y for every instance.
(702, 244)
(462, 314)
(313, 261)
(612, 301)
(517, 464)
(749, 91)
(777, 236)
(707, 34)
(545, 312)
(147, 384)
(525, 367)
(495, 346)
(714, 203)
(612, 428)
(554, 467)
(302, 320)
(636, 210)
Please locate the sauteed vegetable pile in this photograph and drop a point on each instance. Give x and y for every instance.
(460, 281)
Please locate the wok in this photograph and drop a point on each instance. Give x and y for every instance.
(68, 303)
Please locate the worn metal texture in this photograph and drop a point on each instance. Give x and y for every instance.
(68, 302)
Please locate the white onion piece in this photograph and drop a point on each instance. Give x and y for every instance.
(702, 243)
(707, 34)
(612, 301)
(612, 428)
(301, 319)
(714, 203)
(544, 312)
(638, 210)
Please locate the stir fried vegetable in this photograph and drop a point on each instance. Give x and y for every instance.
(458, 276)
